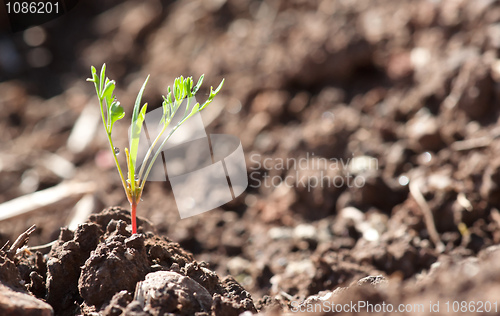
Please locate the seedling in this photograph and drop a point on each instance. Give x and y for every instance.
(112, 111)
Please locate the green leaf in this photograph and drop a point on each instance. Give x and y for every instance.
(134, 142)
(136, 124)
(142, 114)
(137, 105)
(177, 89)
(93, 73)
(104, 90)
(166, 111)
(138, 116)
(115, 113)
(196, 108)
(180, 88)
(169, 96)
(188, 85)
(136, 133)
(198, 85)
(171, 103)
(94, 79)
(212, 95)
(109, 87)
(107, 93)
(103, 76)
(113, 109)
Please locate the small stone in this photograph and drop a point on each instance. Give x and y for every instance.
(352, 213)
(361, 164)
(297, 268)
(135, 241)
(280, 233)
(423, 132)
(172, 289)
(305, 232)
(440, 182)
(238, 265)
(374, 280)
(19, 304)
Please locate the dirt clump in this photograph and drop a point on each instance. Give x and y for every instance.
(116, 264)
(17, 297)
(14, 303)
(102, 267)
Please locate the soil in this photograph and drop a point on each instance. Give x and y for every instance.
(401, 95)
(97, 268)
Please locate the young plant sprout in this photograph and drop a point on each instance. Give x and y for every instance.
(111, 111)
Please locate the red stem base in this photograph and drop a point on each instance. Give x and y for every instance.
(133, 207)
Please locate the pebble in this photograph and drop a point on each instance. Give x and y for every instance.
(299, 267)
(305, 232)
(423, 132)
(14, 303)
(238, 265)
(280, 233)
(157, 285)
(361, 164)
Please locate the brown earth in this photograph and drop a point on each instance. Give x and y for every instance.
(404, 92)
(97, 268)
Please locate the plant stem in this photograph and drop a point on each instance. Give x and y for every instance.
(158, 151)
(133, 206)
(122, 178)
(150, 150)
(108, 134)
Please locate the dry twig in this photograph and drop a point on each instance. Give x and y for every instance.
(39, 199)
(21, 241)
(426, 210)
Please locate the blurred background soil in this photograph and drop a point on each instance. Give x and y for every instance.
(405, 93)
